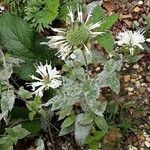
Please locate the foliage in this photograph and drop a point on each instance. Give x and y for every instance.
(12, 135)
(24, 44)
(41, 13)
(17, 6)
(78, 102)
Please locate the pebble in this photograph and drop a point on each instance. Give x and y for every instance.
(141, 80)
(148, 78)
(130, 93)
(137, 84)
(148, 89)
(147, 144)
(139, 77)
(127, 78)
(133, 80)
(140, 2)
(142, 89)
(136, 66)
(148, 139)
(130, 89)
(134, 76)
(144, 84)
(97, 69)
(139, 70)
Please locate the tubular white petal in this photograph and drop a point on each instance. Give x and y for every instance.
(80, 14)
(94, 34)
(140, 46)
(59, 30)
(88, 17)
(56, 38)
(70, 14)
(96, 25)
(87, 50)
(39, 91)
(148, 40)
(56, 44)
(36, 78)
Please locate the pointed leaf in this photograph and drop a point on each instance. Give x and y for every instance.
(101, 123)
(81, 131)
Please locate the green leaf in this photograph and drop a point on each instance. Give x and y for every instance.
(68, 122)
(17, 133)
(98, 14)
(91, 92)
(32, 126)
(107, 41)
(98, 57)
(134, 58)
(11, 136)
(6, 73)
(101, 123)
(67, 130)
(112, 107)
(64, 111)
(114, 83)
(16, 38)
(98, 107)
(19, 40)
(88, 118)
(41, 13)
(108, 22)
(81, 131)
(7, 100)
(24, 94)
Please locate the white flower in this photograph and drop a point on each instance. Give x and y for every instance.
(50, 78)
(76, 36)
(131, 39)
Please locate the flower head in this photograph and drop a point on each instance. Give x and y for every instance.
(131, 39)
(76, 36)
(50, 78)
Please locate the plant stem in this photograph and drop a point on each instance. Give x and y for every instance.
(86, 64)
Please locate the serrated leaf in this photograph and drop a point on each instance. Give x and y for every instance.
(67, 130)
(68, 122)
(16, 38)
(112, 107)
(24, 94)
(101, 123)
(6, 73)
(20, 42)
(98, 57)
(107, 41)
(98, 107)
(7, 100)
(41, 13)
(91, 92)
(64, 111)
(98, 14)
(114, 83)
(108, 22)
(17, 133)
(81, 131)
(88, 118)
